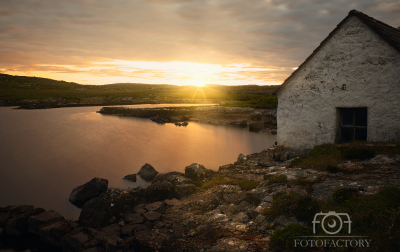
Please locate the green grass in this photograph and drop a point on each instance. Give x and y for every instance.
(328, 156)
(282, 239)
(277, 179)
(375, 216)
(20, 88)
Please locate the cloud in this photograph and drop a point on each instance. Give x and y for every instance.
(273, 34)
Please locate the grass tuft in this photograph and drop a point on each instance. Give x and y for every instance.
(277, 179)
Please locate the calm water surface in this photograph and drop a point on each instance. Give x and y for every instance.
(44, 154)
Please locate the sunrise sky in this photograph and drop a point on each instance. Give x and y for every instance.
(182, 42)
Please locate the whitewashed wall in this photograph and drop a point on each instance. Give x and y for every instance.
(370, 68)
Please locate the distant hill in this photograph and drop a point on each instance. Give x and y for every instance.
(31, 91)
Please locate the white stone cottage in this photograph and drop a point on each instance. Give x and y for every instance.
(347, 89)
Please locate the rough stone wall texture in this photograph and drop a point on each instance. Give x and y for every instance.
(307, 113)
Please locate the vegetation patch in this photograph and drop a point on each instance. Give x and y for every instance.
(376, 217)
(306, 183)
(292, 204)
(328, 156)
(356, 152)
(277, 179)
(282, 239)
(342, 195)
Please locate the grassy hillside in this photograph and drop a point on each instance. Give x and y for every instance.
(20, 90)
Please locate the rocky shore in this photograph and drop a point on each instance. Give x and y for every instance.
(199, 210)
(255, 119)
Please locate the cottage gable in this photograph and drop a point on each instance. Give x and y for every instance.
(355, 71)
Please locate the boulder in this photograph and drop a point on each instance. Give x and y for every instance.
(4, 217)
(152, 216)
(160, 191)
(172, 202)
(17, 225)
(52, 233)
(133, 218)
(184, 190)
(241, 159)
(98, 211)
(254, 197)
(255, 127)
(147, 172)
(74, 242)
(83, 193)
(131, 177)
(156, 206)
(130, 229)
(35, 221)
(176, 178)
(197, 172)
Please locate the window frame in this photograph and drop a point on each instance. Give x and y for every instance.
(353, 126)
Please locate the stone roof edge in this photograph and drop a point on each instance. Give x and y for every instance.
(359, 15)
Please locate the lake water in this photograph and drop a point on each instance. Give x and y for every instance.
(44, 154)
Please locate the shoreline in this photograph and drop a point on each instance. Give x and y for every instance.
(255, 119)
(199, 210)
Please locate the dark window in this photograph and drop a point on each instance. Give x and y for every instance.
(353, 124)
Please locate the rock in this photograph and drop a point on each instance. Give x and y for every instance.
(241, 159)
(110, 243)
(228, 193)
(156, 206)
(133, 218)
(98, 211)
(197, 172)
(4, 217)
(25, 208)
(35, 221)
(111, 229)
(139, 209)
(160, 191)
(184, 190)
(94, 250)
(254, 197)
(152, 216)
(83, 193)
(241, 217)
(255, 127)
(131, 177)
(176, 178)
(147, 172)
(17, 225)
(172, 202)
(229, 210)
(274, 131)
(52, 233)
(74, 242)
(130, 229)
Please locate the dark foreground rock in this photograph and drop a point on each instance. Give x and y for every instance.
(147, 172)
(81, 194)
(222, 217)
(131, 177)
(198, 172)
(98, 211)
